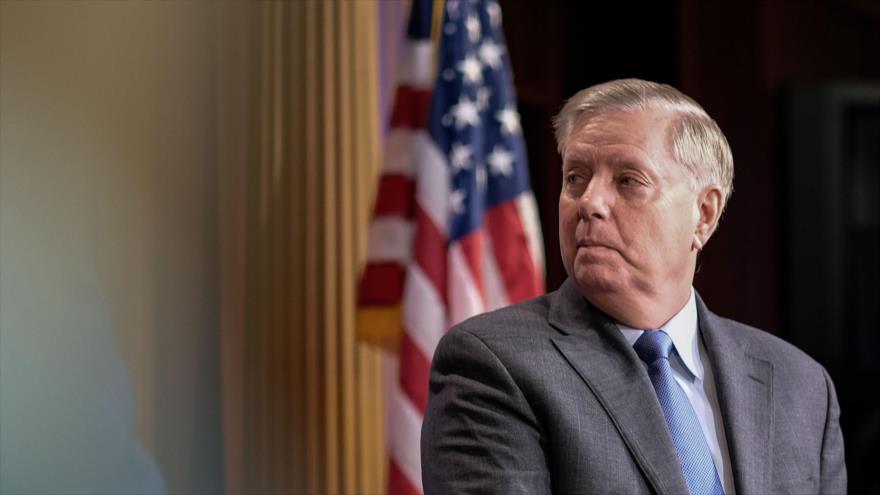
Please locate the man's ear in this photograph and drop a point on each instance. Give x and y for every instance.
(709, 205)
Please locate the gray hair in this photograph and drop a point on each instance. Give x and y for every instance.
(694, 139)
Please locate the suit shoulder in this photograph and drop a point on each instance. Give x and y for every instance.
(530, 311)
(770, 347)
(529, 316)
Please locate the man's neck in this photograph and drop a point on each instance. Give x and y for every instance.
(642, 311)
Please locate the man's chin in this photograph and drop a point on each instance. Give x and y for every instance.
(597, 281)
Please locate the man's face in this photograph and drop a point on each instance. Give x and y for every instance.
(627, 210)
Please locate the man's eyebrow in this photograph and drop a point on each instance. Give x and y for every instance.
(623, 160)
(643, 164)
(578, 157)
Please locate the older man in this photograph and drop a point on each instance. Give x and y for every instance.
(622, 381)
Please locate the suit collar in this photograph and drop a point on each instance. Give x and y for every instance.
(743, 380)
(610, 368)
(569, 311)
(597, 351)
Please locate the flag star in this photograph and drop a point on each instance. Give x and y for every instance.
(483, 95)
(490, 53)
(449, 28)
(452, 9)
(472, 24)
(456, 201)
(465, 113)
(509, 119)
(500, 161)
(472, 70)
(461, 156)
(494, 14)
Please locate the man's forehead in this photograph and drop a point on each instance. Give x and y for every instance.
(649, 119)
(641, 128)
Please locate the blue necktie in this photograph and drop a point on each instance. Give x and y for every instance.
(687, 435)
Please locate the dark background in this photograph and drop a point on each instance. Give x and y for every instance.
(743, 61)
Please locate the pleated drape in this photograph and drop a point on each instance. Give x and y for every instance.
(299, 127)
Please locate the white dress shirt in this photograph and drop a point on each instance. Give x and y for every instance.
(693, 371)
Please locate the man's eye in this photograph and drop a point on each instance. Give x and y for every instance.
(629, 181)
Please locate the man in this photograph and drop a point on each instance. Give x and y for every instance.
(622, 381)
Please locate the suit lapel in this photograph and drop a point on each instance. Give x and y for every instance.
(744, 385)
(616, 376)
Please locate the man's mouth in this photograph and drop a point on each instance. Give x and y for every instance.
(592, 244)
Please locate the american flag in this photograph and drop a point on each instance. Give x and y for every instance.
(455, 230)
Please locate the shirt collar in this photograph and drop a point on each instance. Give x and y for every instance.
(682, 329)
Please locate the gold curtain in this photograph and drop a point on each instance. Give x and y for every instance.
(299, 157)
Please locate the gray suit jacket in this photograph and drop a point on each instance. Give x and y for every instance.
(547, 396)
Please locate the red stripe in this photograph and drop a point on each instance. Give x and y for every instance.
(416, 370)
(411, 107)
(429, 250)
(472, 248)
(398, 484)
(395, 197)
(381, 284)
(510, 244)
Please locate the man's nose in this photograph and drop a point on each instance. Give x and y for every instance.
(594, 202)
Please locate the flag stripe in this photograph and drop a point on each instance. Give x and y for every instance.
(512, 251)
(531, 221)
(496, 293)
(417, 67)
(390, 240)
(429, 249)
(394, 196)
(465, 299)
(432, 190)
(424, 313)
(398, 484)
(404, 433)
(415, 381)
(399, 151)
(382, 283)
(410, 108)
(472, 250)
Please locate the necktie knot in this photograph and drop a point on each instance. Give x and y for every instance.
(653, 345)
